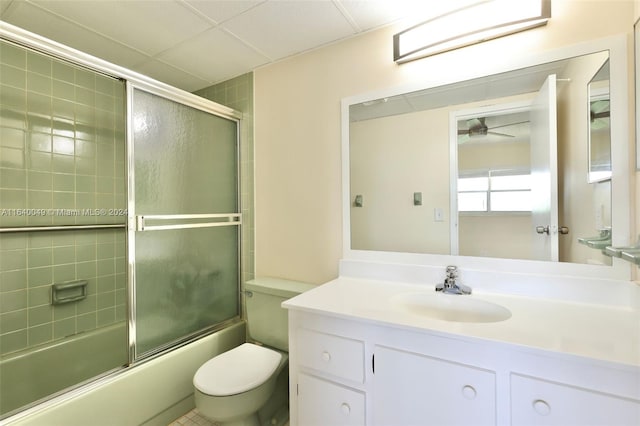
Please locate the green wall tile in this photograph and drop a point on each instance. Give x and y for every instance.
(13, 280)
(13, 178)
(106, 316)
(85, 78)
(86, 322)
(13, 76)
(13, 321)
(37, 277)
(62, 255)
(12, 138)
(41, 181)
(64, 273)
(12, 342)
(13, 259)
(68, 111)
(85, 268)
(39, 161)
(64, 328)
(13, 55)
(40, 334)
(38, 258)
(40, 314)
(39, 63)
(62, 71)
(13, 301)
(39, 104)
(41, 142)
(40, 199)
(63, 109)
(14, 158)
(63, 90)
(62, 163)
(13, 100)
(40, 296)
(64, 182)
(38, 83)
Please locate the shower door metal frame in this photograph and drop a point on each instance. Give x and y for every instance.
(133, 79)
(137, 223)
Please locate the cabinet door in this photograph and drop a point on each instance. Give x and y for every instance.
(414, 389)
(324, 403)
(538, 402)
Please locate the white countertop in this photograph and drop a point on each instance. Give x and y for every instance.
(600, 332)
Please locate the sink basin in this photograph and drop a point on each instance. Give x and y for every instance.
(448, 307)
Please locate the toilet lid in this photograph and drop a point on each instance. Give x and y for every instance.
(238, 370)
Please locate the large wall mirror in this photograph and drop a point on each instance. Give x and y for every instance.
(522, 164)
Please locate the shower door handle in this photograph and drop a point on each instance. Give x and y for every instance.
(224, 219)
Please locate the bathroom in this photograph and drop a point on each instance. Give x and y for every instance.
(298, 217)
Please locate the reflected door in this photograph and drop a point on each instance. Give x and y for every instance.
(186, 212)
(544, 179)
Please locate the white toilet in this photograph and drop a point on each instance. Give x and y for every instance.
(231, 387)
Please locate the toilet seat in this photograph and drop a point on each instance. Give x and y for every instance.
(237, 370)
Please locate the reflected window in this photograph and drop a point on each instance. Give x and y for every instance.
(495, 191)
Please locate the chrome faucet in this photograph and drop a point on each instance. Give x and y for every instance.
(450, 285)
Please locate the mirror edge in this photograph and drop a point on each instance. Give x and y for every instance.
(620, 191)
(636, 83)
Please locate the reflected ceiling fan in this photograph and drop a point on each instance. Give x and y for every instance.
(600, 114)
(476, 127)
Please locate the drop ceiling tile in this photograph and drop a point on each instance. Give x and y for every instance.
(150, 26)
(214, 55)
(31, 18)
(370, 14)
(285, 27)
(170, 75)
(221, 10)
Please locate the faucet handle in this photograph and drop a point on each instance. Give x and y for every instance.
(452, 271)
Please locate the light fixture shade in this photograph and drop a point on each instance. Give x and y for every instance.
(482, 21)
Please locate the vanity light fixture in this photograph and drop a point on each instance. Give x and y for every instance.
(481, 21)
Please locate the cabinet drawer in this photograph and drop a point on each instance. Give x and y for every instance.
(323, 403)
(415, 389)
(334, 355)
(539, 402)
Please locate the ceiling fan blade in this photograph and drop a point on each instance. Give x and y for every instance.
(603, 114)
(463, 138)
(509, 124)
(501, 134)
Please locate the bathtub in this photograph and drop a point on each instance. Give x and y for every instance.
(32, 374)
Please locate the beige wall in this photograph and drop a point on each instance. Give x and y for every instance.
(391, 158)
(297, 124)
(636, 16)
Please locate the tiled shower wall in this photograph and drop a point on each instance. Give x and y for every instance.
(62, 161)
(237, 93)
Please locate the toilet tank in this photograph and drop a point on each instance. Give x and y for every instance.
(267, 321)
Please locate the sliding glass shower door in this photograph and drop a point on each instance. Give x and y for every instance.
(184, 202)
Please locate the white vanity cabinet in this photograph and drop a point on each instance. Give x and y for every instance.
(412, 389)
(346, 371)
(329, 386)
(539, 402)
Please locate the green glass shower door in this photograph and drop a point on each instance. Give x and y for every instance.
(186, 211)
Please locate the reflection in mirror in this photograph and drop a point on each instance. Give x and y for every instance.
(494, 200)
(453, 170)
(599, 126)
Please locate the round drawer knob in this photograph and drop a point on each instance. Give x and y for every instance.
(346, 410)
(469, 392)
(326, 356)
(541, 407)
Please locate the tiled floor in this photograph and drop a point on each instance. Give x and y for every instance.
(192, 418)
